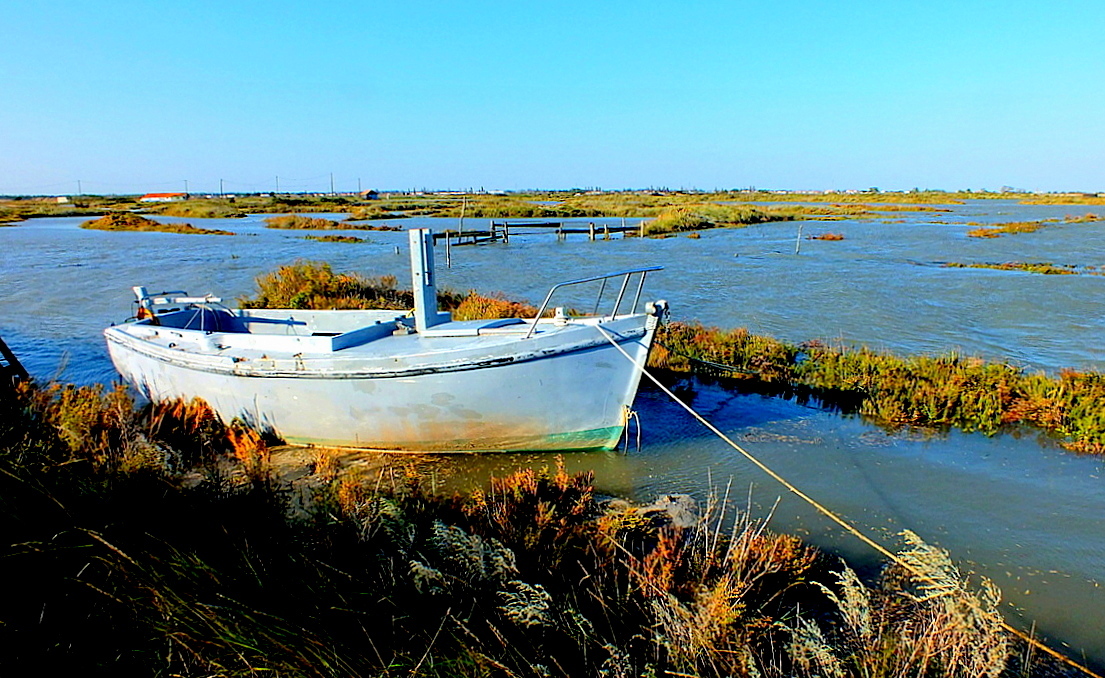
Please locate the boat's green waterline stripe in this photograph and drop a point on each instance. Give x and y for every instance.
(605, 438)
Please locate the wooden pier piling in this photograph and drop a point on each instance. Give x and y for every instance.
(501, 231)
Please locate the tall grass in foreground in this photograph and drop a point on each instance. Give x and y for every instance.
(160, 542)
(934, 391)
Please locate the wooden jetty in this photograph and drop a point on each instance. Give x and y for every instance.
(501, 231)
(11, 370)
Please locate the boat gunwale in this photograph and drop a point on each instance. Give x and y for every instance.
(202, 362)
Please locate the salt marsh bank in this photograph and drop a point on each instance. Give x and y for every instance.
(1018, 509)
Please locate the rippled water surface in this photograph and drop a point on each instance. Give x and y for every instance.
(1017, 509)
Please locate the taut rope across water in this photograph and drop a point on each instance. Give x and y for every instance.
(828, 513)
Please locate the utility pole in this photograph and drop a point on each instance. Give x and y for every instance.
(185, 187)
(358, 185)
(79, 191)
(331, 183)
(278, 183)
(222, 193)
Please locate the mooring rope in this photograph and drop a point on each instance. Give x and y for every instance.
(848, 527)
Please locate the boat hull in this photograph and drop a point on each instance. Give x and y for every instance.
(559, 397)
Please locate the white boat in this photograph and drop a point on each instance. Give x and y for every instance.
(382, 379)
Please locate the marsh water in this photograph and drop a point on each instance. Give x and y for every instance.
(1015, 508)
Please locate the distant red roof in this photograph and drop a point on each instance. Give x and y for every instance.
(164, 195)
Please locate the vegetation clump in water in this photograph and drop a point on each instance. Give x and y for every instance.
(998, 230)
(334, 238)
(300, 222)
(933, 391)
(160, 541)
(699, 217)
(127, 221)
(1042, 268)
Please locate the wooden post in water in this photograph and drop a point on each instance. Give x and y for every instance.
(506, 232)
(592, 233)
(798, 240)
(606, 231)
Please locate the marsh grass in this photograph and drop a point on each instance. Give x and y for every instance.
(192, 559)
(671, 211)
(909, 200)
(19, 209)
(133, 568)
(334, 238)
(1041, 268)
(361, 226)
(200, 209)
(922, 618)
(1063, 200)
(300, 222)
(892, 391)
(998, 230)
(127, 221)
(313, 284)
(698, 217)
(476, 306)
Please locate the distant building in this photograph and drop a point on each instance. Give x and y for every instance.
(163, 197)
(61, 200)
(370, 195)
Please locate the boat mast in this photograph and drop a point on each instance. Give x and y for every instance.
(422, 280)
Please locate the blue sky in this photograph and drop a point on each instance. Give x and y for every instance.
(133, 96)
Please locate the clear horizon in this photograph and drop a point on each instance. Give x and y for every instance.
(136, 97)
